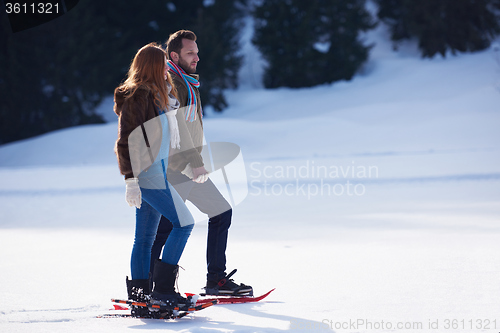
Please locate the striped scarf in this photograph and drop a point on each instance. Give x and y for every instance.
(190, 83)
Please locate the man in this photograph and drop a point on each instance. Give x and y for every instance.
(186, 170)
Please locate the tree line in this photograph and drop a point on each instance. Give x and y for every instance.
(54, 75)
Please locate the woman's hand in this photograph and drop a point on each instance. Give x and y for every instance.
(133, 192)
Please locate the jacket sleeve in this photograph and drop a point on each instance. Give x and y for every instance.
(189, 153)
(132, 115)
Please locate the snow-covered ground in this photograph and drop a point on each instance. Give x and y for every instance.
(373, 206)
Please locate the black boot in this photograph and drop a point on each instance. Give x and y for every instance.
(228, 287)
(139, 291)
(164, 278)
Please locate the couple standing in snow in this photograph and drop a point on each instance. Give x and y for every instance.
(160, 139)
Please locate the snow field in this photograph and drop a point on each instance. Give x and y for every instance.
(415, 249)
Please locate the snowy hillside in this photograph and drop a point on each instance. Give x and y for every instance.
(373, 205)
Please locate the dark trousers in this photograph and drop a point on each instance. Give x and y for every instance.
(207, 198)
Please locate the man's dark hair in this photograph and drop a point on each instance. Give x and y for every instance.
(174, 42)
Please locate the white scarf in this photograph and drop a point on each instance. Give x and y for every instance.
(172, 106)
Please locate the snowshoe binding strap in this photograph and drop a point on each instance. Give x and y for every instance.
(224, 280)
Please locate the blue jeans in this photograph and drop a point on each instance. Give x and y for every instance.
(155, 203)
(207, 198)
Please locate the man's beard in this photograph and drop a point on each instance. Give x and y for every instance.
(185, 66)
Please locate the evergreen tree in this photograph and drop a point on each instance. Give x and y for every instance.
(442, 25)
(306, 43)
(52, 76)
(39, 71)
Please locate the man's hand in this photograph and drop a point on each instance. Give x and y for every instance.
(200, 175)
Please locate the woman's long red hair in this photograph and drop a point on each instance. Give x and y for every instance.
(147, 69)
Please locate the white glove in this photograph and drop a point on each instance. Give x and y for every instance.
(201, 178)
(200, 175)
(175, 138)
(133, 192)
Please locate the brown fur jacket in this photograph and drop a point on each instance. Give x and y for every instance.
(132, 112)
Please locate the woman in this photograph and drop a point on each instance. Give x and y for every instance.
(146, 106)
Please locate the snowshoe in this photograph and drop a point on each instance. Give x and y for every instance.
(227, 287)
